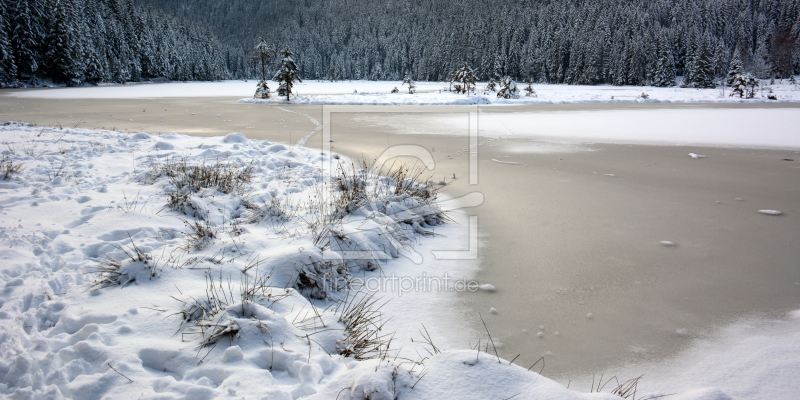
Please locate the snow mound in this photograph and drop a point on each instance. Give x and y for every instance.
(235, 138)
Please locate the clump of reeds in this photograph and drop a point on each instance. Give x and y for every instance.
(113, 272)
(8, 167)
(364, 324)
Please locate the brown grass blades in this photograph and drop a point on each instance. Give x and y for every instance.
(8, 167)
(200, 234)
(626, 390)
(426, 339)
(190, 176)
(115, 272)
(410, 181)
(363, 322)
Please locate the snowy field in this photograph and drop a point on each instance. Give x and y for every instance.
(773, 128)
(379, 92)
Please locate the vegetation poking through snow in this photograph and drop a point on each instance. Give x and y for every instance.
(138, 265)
(364, 337)
(200, 234)
(8, 167)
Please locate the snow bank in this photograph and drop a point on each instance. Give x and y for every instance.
(211, 89)
(379, 92)
(755, 358)
(546, 94)
(746, 127)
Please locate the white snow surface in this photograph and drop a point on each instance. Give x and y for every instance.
(379, 92)
(86, 197)
(745, 360)
(718, 127)
(213, 89)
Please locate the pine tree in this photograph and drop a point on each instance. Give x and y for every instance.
(262, 90)
(466, 77)
(262, 53)
(664, 75)
(491, 86)
(25, 36)
(735, 69)
(62, 59)
(412, 88)
(287, 74)
(8, 69)
(529, 92)
(508, 89)
(744, 85)
(761, 67)
(701, 74)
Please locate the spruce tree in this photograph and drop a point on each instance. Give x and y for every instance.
(8, 69)
(664, 75)
(262, 53)
(62, 59)
(508, 89)
(287, 74)
(25, 35)
(702, 68)
(412, 88)
(735, 69)
(761, 67)
(466, 77)
(262, 90)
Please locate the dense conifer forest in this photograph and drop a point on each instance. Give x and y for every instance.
(621, 42)
(90, 41)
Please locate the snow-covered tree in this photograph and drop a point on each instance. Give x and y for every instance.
(761, 67)
(63, 57)
(25, 36)
(491, 86)
(735, 69)
(262, 53)
(287, 74)
(412, 87)
(701, 69)
(466, 76)
(508, 89)
(8, 69)
(744, 85)
(664, 74)
(529, 92)
(262, 90)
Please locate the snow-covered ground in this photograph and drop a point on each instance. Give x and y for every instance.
(717, 127)
(213, 89)
(379, 92)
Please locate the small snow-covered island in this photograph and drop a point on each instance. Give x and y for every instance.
(401, 200)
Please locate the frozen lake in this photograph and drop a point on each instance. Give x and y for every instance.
(572, 223)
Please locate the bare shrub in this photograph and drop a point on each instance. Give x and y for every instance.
(8, 166)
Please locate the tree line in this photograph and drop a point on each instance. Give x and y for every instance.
(622, 42)
(90, 41)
